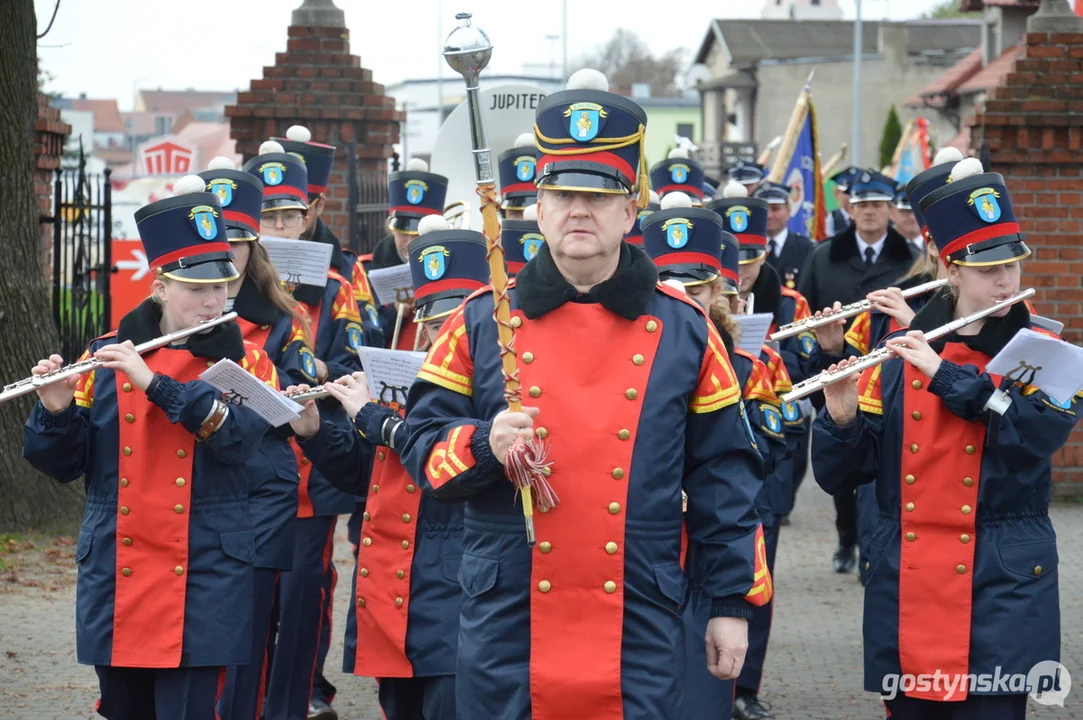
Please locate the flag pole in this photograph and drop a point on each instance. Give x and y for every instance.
(793, 131)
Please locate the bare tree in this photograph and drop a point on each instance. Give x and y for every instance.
(625, 59)
(27, 334)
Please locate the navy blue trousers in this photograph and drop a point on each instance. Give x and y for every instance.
(424, 698)
(157, 694)
(242, 695)
(759, 627)
(304, 594)
(975, 707)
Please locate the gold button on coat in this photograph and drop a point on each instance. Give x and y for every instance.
(130, 418)
(398, 602)
(179, 570)
(366, 542)
(127, 387)
(124, 511)
(405, 544)
(911, 536)
(638, 359)
(360, 602)
(180, 482)
(867, 566)
(966, 509)
(611, 548)
(910, 479)
(964, 538)
(610, 586)
(631, 393)
(970, 450)
(618, 473)
(535, 392)
(960, 569)
(545, 547)
(916, 415)
(127, 542)
(916, 384)
(614, 508)
(969, 482)
(406, 517)
(914, 447)
(182, 454)
(910, 507)
(365, 515)
(380, 454)
(124, 482)
(651, 326)
(1038, 570)
(411, 488)
(624, 434)
(544, 586)
(516, 321)
(528, 357)
(178, 509)
(400, 574)
(375, 489)
(126, 572)
(541, 433)
(364, 572)
(127, 451)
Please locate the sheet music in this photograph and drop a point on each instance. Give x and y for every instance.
(390, 373)
(299, 262)
(1053, 365)
(242, 388)
(753, 331)
(1053, 326)
(392, 284)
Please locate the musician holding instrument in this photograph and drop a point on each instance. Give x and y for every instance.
(165, 552)
(963, 563)
(406, 589)
(613, 366)
(304, 593)
(839, 219)
(866, 256)
(706, 266)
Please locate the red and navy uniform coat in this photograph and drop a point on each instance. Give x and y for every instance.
(963, 563)
(337, 326)
(406, 590)
(166, 547)
(589, 621)
(704, 694)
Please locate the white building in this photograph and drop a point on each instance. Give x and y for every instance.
(801, 10)
(424, 114)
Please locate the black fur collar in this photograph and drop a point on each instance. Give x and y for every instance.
(251, 305)
(994, 334)
(767, 292)
(844, 246)
(542, 289)
(222, 341)
(323, 234)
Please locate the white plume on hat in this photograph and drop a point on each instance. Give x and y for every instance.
(525, 140)
(221, 163)
(675, 284)
(676, 200)
(965, 168)
(530, 212)
(588, 79)
(417, 165)
(679, 152)
(734, 189)
(271, 146)
(432, 223)
(189, 184)
(655, 198)
(947, 155)
(299, 133)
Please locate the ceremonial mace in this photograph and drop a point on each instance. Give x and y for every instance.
(468, 50)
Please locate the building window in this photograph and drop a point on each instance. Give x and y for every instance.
(686, 130)
(162, 125)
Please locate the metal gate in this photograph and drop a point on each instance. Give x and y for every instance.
(82, 256)
(368, 202)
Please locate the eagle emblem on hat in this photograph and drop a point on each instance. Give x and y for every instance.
(738, 218)
(677, 232)
(584, 120)
(524, 168)
(204, 219)
(223, 189)
(415, 191)
(433, 262)
(273, 173)
(532, 243)
(984, 203)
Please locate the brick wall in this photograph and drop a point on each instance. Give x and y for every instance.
(50, 134)
(319, 84)
(1033, 124)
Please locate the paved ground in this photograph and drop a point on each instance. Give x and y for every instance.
(814, 662)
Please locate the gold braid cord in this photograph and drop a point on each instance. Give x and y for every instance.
(527, 463)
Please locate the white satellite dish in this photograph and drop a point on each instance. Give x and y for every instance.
(509, 112)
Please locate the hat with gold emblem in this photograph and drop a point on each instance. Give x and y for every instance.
(521, 240)
(446, 265)
(745, 218)
(685, 242)
(241, 196)
(516, 170)
(413, 194)
(678, 173)
(284, 177)
(317, 158)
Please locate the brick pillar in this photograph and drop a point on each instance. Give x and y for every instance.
(1033, 125)
(319, 84)
(50, 134)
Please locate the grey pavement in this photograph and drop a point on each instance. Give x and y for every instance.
(814, 662)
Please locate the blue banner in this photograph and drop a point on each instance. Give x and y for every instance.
(803, 179)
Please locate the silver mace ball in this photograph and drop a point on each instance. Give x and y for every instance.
(467, 49)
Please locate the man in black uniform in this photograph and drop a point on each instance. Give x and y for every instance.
(868, 255)
(839, 219)
(786, 251)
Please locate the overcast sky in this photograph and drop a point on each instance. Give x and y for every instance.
(112, 48)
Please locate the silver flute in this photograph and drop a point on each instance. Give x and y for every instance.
(847, 311)
(33, 383)
(827, 377)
